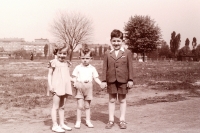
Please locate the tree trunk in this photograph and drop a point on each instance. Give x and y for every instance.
(70, 55)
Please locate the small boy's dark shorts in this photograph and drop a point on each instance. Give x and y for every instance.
(117, 87)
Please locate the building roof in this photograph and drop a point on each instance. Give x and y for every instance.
(12, 40)
(41, 40)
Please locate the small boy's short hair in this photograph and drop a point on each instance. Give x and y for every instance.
(116, 33)
(85, 51)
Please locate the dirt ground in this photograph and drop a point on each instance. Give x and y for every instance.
(148, 111)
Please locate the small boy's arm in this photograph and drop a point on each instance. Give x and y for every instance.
(97, 80)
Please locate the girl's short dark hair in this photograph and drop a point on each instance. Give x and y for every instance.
(116, 33)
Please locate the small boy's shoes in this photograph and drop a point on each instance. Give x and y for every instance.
(78, 125)
(66, 127)
(89, 124)
(58, 129)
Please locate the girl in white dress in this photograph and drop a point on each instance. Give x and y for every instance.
(59, 81)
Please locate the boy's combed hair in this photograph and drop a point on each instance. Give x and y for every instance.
(116, 33)
(85, 51)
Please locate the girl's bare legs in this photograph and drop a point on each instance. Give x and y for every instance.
(62, 109)
(56, 101)
(111, 106)
(59, 103)
(122, 101)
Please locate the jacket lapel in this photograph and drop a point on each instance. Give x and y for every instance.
(112, 54)
(120, 54)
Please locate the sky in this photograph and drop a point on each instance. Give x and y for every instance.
(31, 19)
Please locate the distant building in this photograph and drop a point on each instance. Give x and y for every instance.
(38, 46)
(13, 44)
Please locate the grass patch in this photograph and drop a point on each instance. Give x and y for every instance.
(23, 83)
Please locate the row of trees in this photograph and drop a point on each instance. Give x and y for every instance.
(142, 35)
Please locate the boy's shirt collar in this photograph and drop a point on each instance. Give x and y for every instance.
(122, 49)
(85, 66)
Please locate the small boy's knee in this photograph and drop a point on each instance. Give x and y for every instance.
(55, 107)
(80, 107)
(87, 106)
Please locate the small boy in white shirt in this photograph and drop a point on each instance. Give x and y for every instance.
(84, 74)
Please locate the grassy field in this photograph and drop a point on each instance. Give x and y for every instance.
(23, 83)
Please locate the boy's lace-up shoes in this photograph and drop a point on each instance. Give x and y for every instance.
(122, 125)
(77, 125)
(109, 125)
(89, 124)
(57, 129)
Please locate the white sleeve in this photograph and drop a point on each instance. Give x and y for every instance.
(75, 72)
(95, 73)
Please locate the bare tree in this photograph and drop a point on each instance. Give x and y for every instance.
(72, 29)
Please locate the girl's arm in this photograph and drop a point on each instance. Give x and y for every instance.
(50, 88)
(73, 79)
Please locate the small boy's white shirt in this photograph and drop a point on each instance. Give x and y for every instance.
(85, 73)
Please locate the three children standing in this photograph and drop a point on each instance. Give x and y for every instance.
(117, 78)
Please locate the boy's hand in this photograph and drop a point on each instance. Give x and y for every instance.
(130, 84)
(103, 85)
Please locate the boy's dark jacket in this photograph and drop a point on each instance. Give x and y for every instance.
(118, 68)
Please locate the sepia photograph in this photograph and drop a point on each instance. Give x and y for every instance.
(99, 66)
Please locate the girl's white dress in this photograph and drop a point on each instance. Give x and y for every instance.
(61, 82)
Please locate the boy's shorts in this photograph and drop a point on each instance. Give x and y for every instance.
(84, 90)
(117, 87)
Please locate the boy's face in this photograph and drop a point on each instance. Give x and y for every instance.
(61, 55)
(86, 60)
(116, 43)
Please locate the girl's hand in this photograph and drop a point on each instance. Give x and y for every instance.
(74, 84)
(51, 90)
(130, 84)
